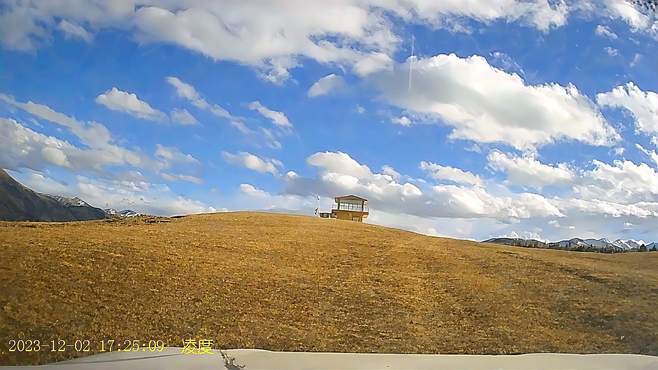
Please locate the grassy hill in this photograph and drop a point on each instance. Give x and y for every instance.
(281, 282)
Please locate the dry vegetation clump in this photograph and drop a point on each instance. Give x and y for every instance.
(281, 282)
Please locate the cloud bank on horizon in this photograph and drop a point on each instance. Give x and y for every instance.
(522, 118)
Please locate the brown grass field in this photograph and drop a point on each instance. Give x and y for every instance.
(281, 282)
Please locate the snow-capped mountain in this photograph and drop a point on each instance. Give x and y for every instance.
(19, 203)
(69, 202)
(125, 213)
(586, 245)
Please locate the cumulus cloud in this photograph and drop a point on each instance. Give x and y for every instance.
(528, 171)
(273, 38)
(452, 174)
(173, 159)
(183, 117)
(623, 182)
(253, 162)
(252, 197)
(325, 85)
(22, 147)
(604, 31)
(135, 194)
(121, 101)
(506, 63)
(598, 201)
(102, 149)
(542, 14)
(485, 104)
(341, 174)
(189, 93)
(643, 105)
(628, 12)
(181, 177)
(650, 153)
(174, 155)
(279, 119)
(74, 31)
(272, 35)
(25, 148)
(402, 121)
(328, 32)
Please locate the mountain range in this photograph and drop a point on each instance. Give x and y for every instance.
(583, 245)
(19, 203)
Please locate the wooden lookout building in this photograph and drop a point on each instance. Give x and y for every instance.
(348, 207)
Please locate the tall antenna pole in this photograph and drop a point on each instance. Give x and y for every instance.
(411, 59)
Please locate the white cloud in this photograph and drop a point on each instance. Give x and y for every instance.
(637, 58)
(137, 195)
(253, 191)
(485, 104)
(371, 63)
(174, 155)
(643, 105)
(189, 93)
(604, 31)
(41, 183)
(650, 153)
(340, 174)
(278, 118)
(181, 177)
(402, 121)
(252, 197)
(339, 162)
(273, 38)
(456, 175)
(623, 182)
(129, 103)
(22, 147)
(272, 34)
(183, 117)
(325, 85)
(173, 159)
(542, 14)
(528, 171)
(102, 150)
(506, 63)
(611, 51)
(75, 31)
(603, 200)
(390, 171)
(26, 25)
(627, 12)
(253, 162)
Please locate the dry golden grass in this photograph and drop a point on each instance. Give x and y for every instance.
(280, 282)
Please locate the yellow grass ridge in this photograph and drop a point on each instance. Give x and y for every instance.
(296, 283)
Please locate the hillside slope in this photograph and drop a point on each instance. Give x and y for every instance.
(281, 282)
(18, 203)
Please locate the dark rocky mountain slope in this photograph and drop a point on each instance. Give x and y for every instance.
(18, 203)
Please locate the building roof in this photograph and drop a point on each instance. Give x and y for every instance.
(350, 197)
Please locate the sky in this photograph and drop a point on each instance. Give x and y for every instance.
(468, 119)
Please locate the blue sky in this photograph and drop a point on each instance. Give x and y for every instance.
(537, 119)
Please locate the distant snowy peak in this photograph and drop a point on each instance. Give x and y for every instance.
(577, 244)
(129, 213)
(125, 213)
(69, 202)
